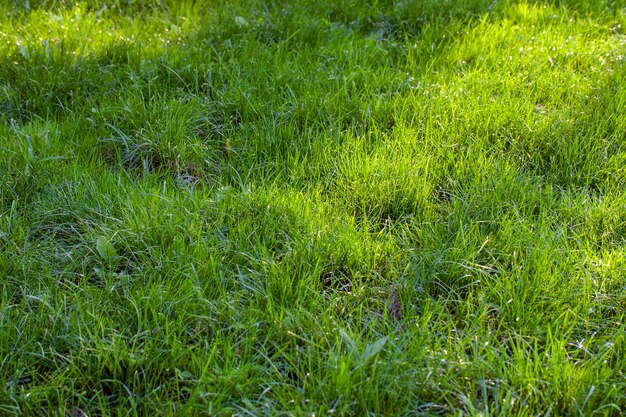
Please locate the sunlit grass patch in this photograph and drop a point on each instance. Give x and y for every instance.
(315, 207)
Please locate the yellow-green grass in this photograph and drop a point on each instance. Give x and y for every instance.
(312, 207)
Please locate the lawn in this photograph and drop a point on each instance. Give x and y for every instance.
(312, 208)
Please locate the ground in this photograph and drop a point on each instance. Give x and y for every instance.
(312, 208)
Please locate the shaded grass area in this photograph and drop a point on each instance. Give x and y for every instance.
(339, 208)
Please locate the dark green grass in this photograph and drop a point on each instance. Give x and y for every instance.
(312, 208)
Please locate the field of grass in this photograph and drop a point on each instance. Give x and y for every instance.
(318, 207)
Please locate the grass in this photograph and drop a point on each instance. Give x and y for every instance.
(312, 208)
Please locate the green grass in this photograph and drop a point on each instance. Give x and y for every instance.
(312, 208)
